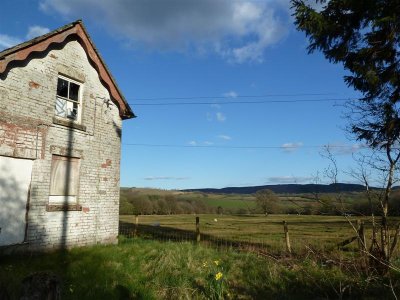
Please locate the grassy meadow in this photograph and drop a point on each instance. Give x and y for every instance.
(316, 232)
(230, 201)
(242, 254)
(173, 266)
(148, 269)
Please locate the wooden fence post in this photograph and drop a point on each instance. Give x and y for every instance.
(361, 236)
(358, 235)
(394, 243)
(197, 229)
(136, 225)
(286, 230)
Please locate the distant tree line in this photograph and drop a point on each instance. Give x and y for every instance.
(143, 204)
(324, 204)
(355, 203)
(267, 202)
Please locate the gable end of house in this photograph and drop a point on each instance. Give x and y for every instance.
(74, 30)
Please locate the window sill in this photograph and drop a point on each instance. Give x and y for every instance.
(68, 123)
(63, 207)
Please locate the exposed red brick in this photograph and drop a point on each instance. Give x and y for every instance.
(85, 209)
(106, 164)
(13, 136)
(33, 85)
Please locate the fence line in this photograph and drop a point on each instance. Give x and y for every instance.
(278, 243)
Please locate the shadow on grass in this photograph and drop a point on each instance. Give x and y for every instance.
(161, 233)
(85, 273)
(245, 216)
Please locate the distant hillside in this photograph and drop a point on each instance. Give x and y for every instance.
(286, 189)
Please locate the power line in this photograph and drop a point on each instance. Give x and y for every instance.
(287, 147)
(235, 96)
(242, 102)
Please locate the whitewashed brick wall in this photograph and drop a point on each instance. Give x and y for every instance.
(27, 99)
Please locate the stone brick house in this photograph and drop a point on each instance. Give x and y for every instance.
(60, 137)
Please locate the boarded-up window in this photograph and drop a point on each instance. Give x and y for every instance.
(64, 180)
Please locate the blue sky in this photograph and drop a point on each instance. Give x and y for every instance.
(196, 51)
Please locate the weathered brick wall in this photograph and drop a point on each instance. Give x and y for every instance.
(27, 99)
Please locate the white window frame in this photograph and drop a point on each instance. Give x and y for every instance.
(67, 100)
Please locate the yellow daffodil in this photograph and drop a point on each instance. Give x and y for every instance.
(218, 276)
(216, 262)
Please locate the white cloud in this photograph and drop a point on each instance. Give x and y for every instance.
(7, 41)
(165, 178)
(35, 31)
(220, 116)
(291, 147)
(344, 149)
(239, 31)
(230, 94)
(206, 143)
(224, 137)
(216, 106)
(289, 179)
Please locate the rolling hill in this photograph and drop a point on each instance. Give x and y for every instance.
(285, 189)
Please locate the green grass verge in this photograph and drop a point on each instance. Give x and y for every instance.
(140, 269)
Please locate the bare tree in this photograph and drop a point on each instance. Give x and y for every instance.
(267, 201)
(381, 167)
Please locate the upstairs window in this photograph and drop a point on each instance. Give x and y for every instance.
(68, 100)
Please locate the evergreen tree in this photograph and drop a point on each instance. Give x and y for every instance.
(365, 37)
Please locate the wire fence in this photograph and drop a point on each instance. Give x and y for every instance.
(269, 236)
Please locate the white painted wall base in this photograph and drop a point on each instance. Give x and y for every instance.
(15, 178)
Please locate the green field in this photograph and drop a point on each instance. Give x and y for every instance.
(231, 201)
(226, 201)
(163, 261)
(318, 232)
(156, 201)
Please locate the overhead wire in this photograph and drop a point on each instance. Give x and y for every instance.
(241, 102)
(234, 95)
(283, 147)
